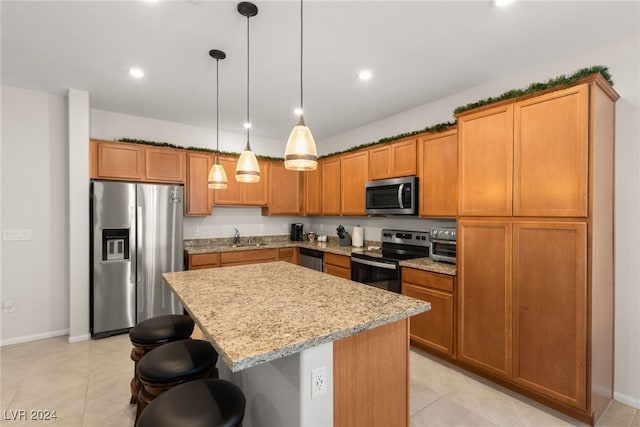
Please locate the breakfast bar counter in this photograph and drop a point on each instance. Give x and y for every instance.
(277, 325)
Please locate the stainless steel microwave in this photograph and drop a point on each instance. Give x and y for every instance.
(396, 196)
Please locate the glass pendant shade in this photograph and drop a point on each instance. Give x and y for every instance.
(247, 169)
(301, 153)
(217, 177)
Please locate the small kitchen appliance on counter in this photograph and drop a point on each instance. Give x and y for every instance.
(296, 232)
(382, 268)
(443, 244)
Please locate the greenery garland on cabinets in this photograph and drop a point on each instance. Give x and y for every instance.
(562, 80)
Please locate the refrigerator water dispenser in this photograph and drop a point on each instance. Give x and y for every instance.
(115, 244)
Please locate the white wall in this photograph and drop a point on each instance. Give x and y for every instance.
(35, 273)
(623, 60)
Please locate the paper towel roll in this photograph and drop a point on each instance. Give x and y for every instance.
(357, 237)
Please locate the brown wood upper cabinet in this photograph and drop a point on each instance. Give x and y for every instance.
(286, 195)
(393, 160)
(116, 160)
(331, 185)
(354, 170)
(240, 193)
(135, 162)
(313, 190)
(198, 197)
(527, 158)
(438, 173)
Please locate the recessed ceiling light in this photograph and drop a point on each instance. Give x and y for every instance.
(365, 75)
(502, 3)
(136, 72)
(247, 125)
(297, 111)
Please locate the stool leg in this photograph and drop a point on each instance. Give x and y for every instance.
(136, 355)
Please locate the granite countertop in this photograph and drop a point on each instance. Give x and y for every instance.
(213, 246)
(261, 312)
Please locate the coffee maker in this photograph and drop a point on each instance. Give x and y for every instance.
(296, 232)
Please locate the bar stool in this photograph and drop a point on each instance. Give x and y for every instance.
(200, 403)
(154, 332)
(173, 364)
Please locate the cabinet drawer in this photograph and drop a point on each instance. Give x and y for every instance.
(337, 260)
(248, 257)
(337, 271)
(427, 279)
(197, 261)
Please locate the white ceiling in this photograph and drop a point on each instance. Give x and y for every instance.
(419, 51)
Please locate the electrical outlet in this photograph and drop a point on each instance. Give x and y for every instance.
(196, 228)
(318, 382)
(7, 306)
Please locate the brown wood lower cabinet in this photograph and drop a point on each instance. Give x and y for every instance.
(337, 265)
(248, 257)
(434, 329)
(288, 255)
(200, 261)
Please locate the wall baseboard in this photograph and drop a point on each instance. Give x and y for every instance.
(78, 338)
(627, 400)
(34, 337)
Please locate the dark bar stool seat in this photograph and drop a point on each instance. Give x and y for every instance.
(200, 403)
(154, 332)
(173, 364)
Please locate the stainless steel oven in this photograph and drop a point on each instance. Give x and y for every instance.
(382, 268)
(379, 272)
(443, 244)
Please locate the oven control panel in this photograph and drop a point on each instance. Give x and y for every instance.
(444, 233)
(403, 237)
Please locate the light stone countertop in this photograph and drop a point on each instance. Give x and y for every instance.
(261, 312)
(331, 247)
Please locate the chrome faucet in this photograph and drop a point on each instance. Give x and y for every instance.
(236, 237)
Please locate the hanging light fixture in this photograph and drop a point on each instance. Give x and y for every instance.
(247, 169)
(217, 176)
(301, 153)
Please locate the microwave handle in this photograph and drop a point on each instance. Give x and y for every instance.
(400, 188)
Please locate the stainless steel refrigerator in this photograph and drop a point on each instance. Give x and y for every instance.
(136, 235)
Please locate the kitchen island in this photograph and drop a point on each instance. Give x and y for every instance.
(277, 325)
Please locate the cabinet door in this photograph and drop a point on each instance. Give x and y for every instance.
(380, 162)
(331, 186)
(485, 162)
(232, 195)
(285, 191)
(117, 160)
(197, 193)
(404, 159)
(248, 257)
(257, 193)
(354, 174)
(164, 164)
(549, 301)
(433, 328)
(313, 191)
(288, 255)
(550, 154)
(438, 159)
(200, 261)
(337, 265)
(484, 295)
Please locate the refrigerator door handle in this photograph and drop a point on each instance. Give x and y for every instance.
(139, 260)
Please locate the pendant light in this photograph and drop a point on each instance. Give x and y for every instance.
(301, 153)
(217, 176)
(247, 169)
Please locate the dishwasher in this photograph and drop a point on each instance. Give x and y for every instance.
(312, 258)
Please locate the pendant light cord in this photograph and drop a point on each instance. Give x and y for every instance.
(217, 108)
(248, 122)
(301, 56)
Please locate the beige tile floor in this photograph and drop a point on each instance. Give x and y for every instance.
(87, 384)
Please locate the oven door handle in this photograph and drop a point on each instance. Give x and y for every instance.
(400, 188)
(444, 242)
(374, 263)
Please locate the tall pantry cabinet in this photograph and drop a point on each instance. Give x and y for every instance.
(535, 221)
